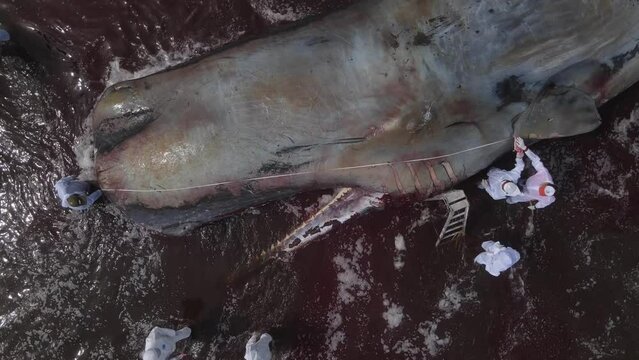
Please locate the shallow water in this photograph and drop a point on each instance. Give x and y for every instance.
(91, 286)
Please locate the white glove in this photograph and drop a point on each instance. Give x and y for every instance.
(532, 207)
(484, 184)
(519, 144)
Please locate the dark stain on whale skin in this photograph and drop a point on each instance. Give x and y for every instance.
(112, 131)
(274, 167)
(510, 90)
(296, 148)
(390, 40)
(422, 39)
(462, 124)
(291, 149)
(437, 26)
(619, 61)
(317, 41)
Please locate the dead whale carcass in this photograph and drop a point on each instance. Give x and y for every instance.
(386, 96)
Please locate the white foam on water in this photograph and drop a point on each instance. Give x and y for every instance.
(429, 339)
(620, 192)
(8, 318)
(584, 246)
(57, 285)
(393, 314)
(631, 284)
(276, 12)
(605, 180)
(286, 15)
(292, 209)
(335, 336)
(452, 300)
(621, 132)
(351, 278)
(400, 244)
(605, 345)
(400, 250)
(406, 347)
(354, 279)
(434, 343)
(530, 226)
(156, 63)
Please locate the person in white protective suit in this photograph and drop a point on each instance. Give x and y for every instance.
(502, 184)
(539, 187)
(74, 194)
(160, 343)
(258, 349)
(497, 257)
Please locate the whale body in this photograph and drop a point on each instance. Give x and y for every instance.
(390, 96)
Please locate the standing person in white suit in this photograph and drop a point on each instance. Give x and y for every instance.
(539, 187)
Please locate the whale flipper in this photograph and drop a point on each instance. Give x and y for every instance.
(346, 203)
(554, 112)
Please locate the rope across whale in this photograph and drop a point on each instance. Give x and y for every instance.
(302, 173)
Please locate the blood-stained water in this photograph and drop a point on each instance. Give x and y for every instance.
(91, 286)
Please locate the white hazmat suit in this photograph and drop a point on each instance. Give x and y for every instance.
(497, 257)
(68, 186)
(531, 190)
(160, 343)
(258, 349)
(497, 177)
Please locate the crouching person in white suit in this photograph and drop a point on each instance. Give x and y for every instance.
(497, 257)
(502, 184)
(160, 343)
(258, 349)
